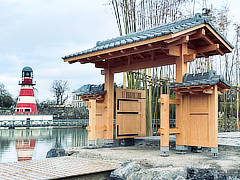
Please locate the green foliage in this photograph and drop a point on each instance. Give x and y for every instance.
(6, 100)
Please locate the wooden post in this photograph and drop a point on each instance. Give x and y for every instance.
(164, 130)
(92, 122)
(109, 100)
(150, 106)
(181, 70)
(124, 80)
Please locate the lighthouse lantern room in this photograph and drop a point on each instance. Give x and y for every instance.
(26, 101)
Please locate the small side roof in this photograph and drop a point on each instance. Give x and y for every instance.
(201, 80)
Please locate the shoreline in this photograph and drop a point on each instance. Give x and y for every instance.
(146, 153)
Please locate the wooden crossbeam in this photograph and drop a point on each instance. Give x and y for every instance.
(153, 55)
(171, 101)
(103, 128)
(209, 48)
(145, 63)
(189, 58)
(174, 42)
(174, 51)
(171, 131)
(97, 104)
(200, 33)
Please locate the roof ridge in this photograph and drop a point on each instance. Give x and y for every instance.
(197, 17)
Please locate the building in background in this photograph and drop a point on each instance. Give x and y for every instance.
(77, 101)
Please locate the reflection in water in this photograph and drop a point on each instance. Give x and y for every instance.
(25, 149)
(25, 144)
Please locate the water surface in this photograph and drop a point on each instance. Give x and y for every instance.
(23, 144)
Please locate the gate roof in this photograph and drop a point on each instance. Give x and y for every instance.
(157, 46)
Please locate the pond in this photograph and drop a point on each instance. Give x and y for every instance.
(26, 144)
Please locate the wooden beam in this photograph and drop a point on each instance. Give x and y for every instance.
(182, 40)
(129, 59)
(171, 101)
(200, 33)
(189, 58)
(144, 64)
(208, 40)
(101, 64)
(192, 51)
(98, 104)
(174, 101)
(140, 55)
(208, 91)
(153, 55)
(209, 48)
(220, 52)
(174, 51)
(174, 131)
(97, 128)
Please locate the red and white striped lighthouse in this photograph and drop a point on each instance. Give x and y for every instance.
(26, 101)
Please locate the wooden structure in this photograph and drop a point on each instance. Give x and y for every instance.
(174, 43)
(199, 115)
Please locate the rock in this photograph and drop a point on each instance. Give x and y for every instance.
(125, 170)
(166, 173)
(56, 152)
(205, 173)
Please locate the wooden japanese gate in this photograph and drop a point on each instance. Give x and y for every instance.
(176, 43)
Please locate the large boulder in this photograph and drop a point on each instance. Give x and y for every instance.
(56, 152)
(165, 173)
(125, 170)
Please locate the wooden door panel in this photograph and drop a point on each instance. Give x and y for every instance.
(130, 113)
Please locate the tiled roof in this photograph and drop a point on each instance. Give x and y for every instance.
(207, 78)
(84, 88)
(94, 89)
(157, 31)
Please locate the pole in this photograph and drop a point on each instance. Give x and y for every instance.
(150, 104)
(237, 108)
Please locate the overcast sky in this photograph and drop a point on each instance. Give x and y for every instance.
(37, 33)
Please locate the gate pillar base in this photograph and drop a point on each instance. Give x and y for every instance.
(214, 151)
(108, 141)
(181, 149)
(91, 143)
(164, 151)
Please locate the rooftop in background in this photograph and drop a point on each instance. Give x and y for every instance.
(207, 36)
(84, 88)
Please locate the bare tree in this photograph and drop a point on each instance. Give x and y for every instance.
(59, 89)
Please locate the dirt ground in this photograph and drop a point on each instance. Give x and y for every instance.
(146, 152)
